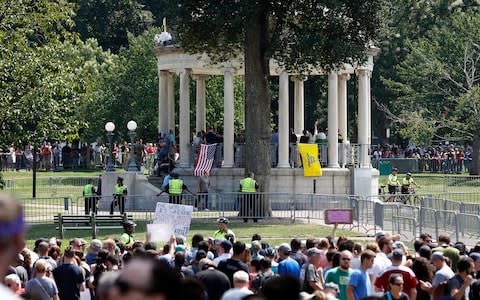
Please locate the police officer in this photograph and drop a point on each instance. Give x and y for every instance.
(222, 229)
(392, 183)
(248, 205)
(406, 183)
(119, 195)
(175, 188)
(89, 197)
(127, 237)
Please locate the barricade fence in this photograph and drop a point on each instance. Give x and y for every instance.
(459, 220)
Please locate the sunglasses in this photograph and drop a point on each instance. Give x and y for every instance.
(345, 258)
(397, 283)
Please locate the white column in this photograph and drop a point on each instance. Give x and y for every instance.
(342, 105)
(200, 121)
(283, 121)
(162, 102)
(171, 100)
(299, 118)
(332, 137)
(228, 111)
(363, 117)
(369, 109)
(184, 120)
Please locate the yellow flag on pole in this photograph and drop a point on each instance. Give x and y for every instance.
(311, 164)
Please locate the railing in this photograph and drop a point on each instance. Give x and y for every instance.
(48, 187)
(459, 220)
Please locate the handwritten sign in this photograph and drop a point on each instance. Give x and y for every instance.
(159, 232)
(175, 218)
(338, 216)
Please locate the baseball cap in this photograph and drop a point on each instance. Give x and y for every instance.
(437, 255)
(409, 174)
(379, 234)
(475, 256)
(96, 244)
(313, 251)
(394, 169)
(397, 254)
(284, 248)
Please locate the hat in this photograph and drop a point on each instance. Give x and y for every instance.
(222, 220)
(313, 251)
(180, 248)
(409, 174)
(129, 223)
(96, 244)
(475, 256)
(397, 254)
(226, 245)
(379, 234)
(332, 285)
(267, 252)
(437, 255)
(120, 178)
(394, 169)
(174, 175)
(284, 248)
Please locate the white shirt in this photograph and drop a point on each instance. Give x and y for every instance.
(223, 256)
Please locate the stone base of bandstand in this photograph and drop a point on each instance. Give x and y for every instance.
(335, 181)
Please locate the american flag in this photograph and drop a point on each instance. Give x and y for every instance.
(205, 159)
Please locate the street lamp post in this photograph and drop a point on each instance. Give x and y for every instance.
(110, 127)
(132, 165)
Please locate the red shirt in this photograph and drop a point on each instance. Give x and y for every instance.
(409, 278)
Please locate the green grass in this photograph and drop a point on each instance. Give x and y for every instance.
(49, 184)
(274, 234)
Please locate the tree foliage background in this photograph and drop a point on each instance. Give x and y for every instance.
(67, 67)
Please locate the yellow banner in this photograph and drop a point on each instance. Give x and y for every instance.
(311, 164)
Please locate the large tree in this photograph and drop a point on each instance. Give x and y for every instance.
(300, 34)
(437, 94)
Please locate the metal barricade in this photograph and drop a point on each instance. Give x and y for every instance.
(461, 197)
(468, 225)
(42, 210)
(428, 221)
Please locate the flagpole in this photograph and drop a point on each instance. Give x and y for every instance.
(314, 186)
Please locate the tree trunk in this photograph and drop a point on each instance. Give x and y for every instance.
(475, 167)
(257, 97)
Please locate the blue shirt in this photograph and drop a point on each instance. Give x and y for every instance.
(289, 266)
(361, 283)
(165, 181)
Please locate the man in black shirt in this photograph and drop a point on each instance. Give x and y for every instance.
(234, 264)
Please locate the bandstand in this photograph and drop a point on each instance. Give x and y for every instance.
(360, 179)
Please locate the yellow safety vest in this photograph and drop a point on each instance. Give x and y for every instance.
(406, 181)
(248, 185)
(175, 186)
(87, 190)
(119, 189)
(392, 180)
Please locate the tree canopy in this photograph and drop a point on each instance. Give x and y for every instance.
(299, 34)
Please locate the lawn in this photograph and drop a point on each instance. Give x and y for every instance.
(48, 184)
(274, 234)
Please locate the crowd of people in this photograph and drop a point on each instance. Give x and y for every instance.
(58, 156)
(440, 159)
(222, 267)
